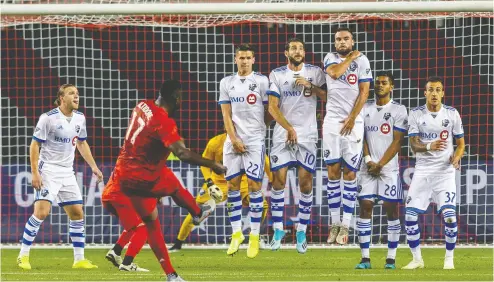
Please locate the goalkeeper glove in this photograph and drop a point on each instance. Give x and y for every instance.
(214, 191)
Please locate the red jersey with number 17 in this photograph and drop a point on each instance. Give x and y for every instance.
(144, 153)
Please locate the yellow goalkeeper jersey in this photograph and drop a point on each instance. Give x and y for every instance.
(214, 151)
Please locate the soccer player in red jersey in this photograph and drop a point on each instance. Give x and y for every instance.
(141, 172)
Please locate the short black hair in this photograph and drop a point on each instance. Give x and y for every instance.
(344, 28)
(294, 39)
(245, 47)
(389, 75)
(168, 87)
(435, 79)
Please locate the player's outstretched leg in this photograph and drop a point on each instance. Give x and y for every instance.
(114, 255)
(450, 231)
(256, 207)
(137, 241)
(30, 231)
(413, 238)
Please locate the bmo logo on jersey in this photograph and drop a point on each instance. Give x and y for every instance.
(426, 135)
(444, 135)
(62, 139)
(371, 128)
(294, 93)
(385, 128)
(237, 99)
(251, 99)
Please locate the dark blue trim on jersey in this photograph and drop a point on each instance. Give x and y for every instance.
(365, 80)
(412, 134)
(289, 164)
(351, 167)
(390, 200)
(453, 207)
(311, 170)
(273, 93)
(242, 171)
(224, 102)
(39, 140)
(42, 200)
(333, 161)
(79, 202)
(326, 66)
(265, 102)
(372, 196)
(52, 112)
(399, 129)
(459, 136)
(81, 139)
(419, 211)
(77, 112)
(254, 178)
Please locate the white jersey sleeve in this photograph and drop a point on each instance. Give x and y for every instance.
(364, 71)
(274, 87)
(319, 77)
(82, 131)
(42, 128)
(264, 88)
(457, 126)
(413, 128)
(330, 59)
(401, 122)
(224, 97)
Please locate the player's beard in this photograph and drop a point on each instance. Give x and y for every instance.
(344, 52)
(294, 61)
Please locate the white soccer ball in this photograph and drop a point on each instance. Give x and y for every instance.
(215, 193)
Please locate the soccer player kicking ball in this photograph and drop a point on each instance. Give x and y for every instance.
(348, 79)
(293, 106)
(215, 187)
(431, 132)
(242, 99)
(141, 172)
(58, 133)
(385, 126)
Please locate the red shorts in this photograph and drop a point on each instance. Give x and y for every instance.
(118, 204)
(167, 184)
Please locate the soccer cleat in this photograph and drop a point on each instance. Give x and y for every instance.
(174, 277)
(84, 263)
(277, 237)
(177, 247)
(301, 242)
(448, 263)
(253, 248)
(342, 237)
(414, 264)
(333, 233)
(390, 264)
(23, 262)
(132, 267)
(206, 210)
(237, 239)
(364, 265)
(113, 258)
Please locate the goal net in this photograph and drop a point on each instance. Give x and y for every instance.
(118, 59)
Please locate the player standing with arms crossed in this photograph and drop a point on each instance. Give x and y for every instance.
(431, 132)
(242, 100)
(293, 93)
(141, 172)
(385, 124)
(348, 79)
(58, 133)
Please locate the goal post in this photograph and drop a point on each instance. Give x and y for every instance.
(119, 52)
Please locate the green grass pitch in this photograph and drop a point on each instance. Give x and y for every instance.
(473, 264)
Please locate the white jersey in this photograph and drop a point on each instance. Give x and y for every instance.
(379, 124)
(59, 136)
(299, 110)
(247, 95)
(343, 91)
(432, 126)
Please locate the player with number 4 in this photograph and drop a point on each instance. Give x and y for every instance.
(293, 93)
(432, 129)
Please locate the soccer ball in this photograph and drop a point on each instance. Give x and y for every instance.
(215, 193)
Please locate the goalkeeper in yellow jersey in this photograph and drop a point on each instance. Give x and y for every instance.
(214, 151)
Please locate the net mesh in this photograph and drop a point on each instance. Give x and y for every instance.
(115, 65)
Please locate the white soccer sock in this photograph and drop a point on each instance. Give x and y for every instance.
(76, 232)
(334, 200)
(30, 231)
(413, 233)
(349, 199)
(277, 208)
(394, 229)
(304, 210)
(450, 231)
(364, 236)
(256, 207)
(235, 210)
